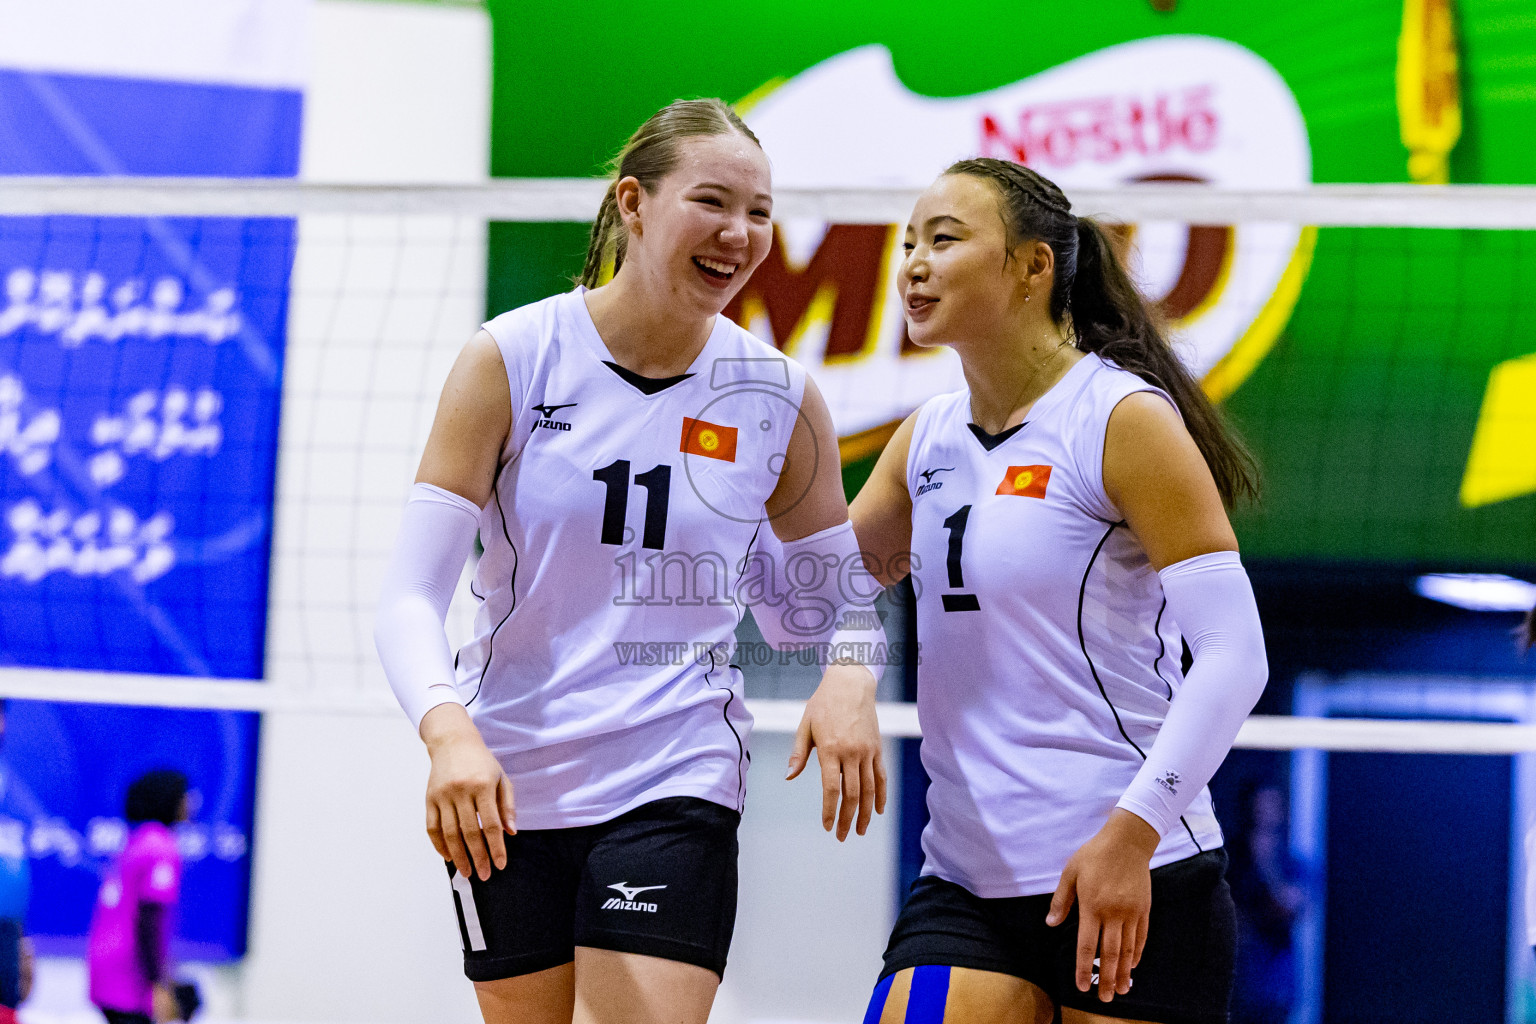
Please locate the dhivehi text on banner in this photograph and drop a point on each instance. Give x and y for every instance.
(141, 367)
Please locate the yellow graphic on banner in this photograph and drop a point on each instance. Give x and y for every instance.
(1249, 351)
(1428, 89)
(1503, 460)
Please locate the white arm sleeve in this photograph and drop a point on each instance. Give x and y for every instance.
(815, 591)
(436, 533)
(1211, 601)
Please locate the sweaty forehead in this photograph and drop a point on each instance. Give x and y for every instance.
(731, 159)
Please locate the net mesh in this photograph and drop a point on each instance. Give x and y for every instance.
(213, 396)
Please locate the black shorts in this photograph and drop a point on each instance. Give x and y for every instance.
(659, 880)
(122, 1017)
(1185, 974)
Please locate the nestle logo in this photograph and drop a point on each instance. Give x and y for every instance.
(1103, 129)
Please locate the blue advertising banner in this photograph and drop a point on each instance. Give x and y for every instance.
(64, 774)
(141, 367)
(140, 380)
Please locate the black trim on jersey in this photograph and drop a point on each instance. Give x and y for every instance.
(730, 695)
(755, 531)
(646, 385)
(1162, 647)
(748, 752)
(516, 558)
(741, 748)
(1082, 641)
(990, 441)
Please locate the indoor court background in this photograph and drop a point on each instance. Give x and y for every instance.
(1377, 346)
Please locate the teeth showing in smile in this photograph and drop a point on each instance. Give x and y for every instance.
(715, 266)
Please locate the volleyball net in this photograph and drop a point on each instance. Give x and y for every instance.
(213, 396)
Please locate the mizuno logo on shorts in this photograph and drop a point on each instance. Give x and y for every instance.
(629, 892)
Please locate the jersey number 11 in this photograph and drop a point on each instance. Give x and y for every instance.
(657, 482)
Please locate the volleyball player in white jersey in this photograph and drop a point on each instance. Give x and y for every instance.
(1065, 519)
(620, 451)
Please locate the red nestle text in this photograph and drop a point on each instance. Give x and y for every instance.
(1103, 129)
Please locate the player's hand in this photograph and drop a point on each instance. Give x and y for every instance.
(839, 723)
(469, 797)
(1111, 881)
(166, 1007)
(28, 968)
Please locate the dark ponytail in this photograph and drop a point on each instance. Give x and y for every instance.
(1097, 299)
(1527, 632)
(648, 156)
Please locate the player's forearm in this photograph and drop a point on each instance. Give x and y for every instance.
(1211, 601)
(437, 531)
(823, 596)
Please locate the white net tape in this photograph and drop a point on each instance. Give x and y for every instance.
(576, 199)
(387, 283)
(897, 718)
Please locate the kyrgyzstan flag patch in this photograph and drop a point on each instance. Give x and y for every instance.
(711, 440)
(1025, 481)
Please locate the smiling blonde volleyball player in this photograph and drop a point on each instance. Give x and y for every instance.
(620, 450)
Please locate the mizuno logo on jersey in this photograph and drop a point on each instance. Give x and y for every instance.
(628, 893)
(1025, 481)
(547, 417)
(711, 440)
(929, 483)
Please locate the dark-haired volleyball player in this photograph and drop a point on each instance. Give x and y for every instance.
(128, 951)
(1066, 522)
(620, 450)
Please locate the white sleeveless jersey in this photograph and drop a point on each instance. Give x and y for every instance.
(1047, 662)
(599, 672)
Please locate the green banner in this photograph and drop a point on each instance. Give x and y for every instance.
(1386, 378)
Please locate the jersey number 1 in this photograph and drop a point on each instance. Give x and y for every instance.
(657, 482)
(955, 524)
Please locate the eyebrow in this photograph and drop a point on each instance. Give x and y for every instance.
(761, 197)
(935, 221)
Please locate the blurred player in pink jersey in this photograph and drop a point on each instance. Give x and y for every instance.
(129, 952)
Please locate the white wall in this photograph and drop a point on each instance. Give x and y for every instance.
(814, 914)
(397, 92)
